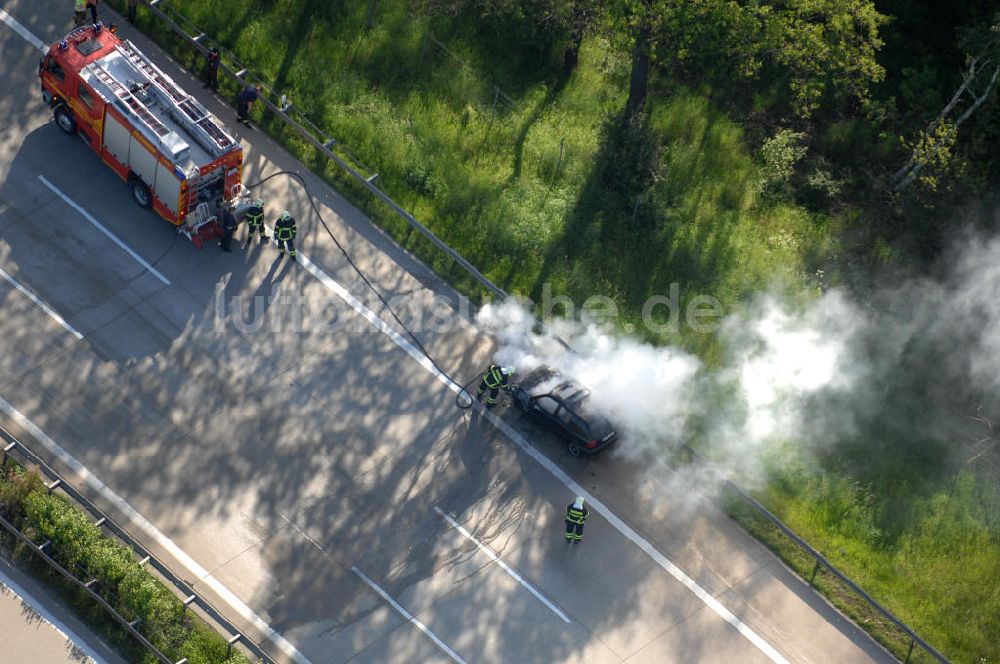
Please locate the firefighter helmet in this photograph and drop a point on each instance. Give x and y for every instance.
(285, 216)
(507, 371)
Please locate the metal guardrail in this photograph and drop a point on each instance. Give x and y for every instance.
(312, 135)
(181, 589)
(821, 561)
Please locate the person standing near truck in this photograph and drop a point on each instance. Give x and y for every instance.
(228, 228)
(244, 103)
(212, 69)
(284, 233)
(79, 12)
(255, 221)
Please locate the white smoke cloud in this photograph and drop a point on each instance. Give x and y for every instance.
(778, 361)
(644, 390)
(904, 368)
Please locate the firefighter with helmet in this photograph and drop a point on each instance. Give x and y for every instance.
(284, 234)
(494, 379)
(255, 221)
(576, 516)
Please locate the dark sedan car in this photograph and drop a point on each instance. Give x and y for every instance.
(564, 409)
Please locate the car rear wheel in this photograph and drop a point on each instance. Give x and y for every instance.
(575, 450)
(140, 192)
(65, 120)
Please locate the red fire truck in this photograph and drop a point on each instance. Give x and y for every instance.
(176, 157)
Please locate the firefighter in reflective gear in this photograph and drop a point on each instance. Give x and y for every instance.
(255, 221)
(79, 12)
(576, 516)
(284, 233)
(494, 378)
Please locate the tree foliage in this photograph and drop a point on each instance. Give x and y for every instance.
(817, 49)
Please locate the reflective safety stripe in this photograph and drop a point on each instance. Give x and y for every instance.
(576, 516)
(493, 377)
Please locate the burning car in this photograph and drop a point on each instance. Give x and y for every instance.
(561, 404)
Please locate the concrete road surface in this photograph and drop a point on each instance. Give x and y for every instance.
(281, 447)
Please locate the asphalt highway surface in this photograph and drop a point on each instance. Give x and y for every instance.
(270, 432)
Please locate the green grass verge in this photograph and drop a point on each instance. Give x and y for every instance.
(939, 572)
(80, 547)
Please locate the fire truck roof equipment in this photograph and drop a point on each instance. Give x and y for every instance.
(166, 116)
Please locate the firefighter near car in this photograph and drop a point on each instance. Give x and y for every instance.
(494, 379)
(176, 157)
(576, 515)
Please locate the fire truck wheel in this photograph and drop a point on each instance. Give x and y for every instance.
(65, 120)
(140, 192)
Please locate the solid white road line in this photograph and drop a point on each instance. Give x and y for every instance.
(152, 532)
(63, 631)
(409, 617)
(504, 566)
(99, 226)
(44, 307)
(548, 464)
(16, 26)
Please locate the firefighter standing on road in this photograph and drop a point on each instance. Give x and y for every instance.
(494, 378)
(576, 516)
(255, 221)
(284, 233)
(228, 228)
(212, 69)
(79, 12)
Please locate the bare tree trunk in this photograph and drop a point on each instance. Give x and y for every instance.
(638, 86)
(571, 56)
(370, 19)
(915, 165)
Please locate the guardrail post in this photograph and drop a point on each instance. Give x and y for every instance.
(229, 644)
(7, 449)
(909, 652)
(812, 577)
(187, 601)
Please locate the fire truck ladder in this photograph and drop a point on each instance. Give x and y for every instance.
(187, 110)
(130, 100)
